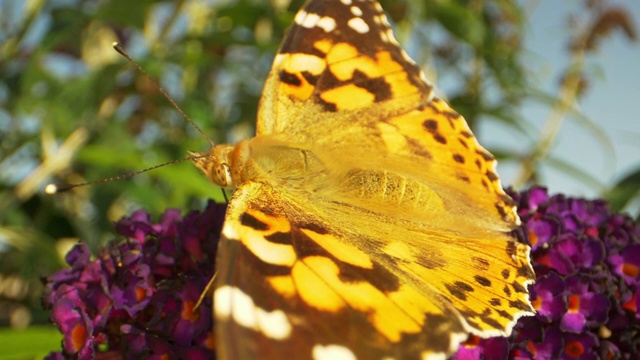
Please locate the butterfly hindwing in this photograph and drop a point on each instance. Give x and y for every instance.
(295, 290)
(290, 285)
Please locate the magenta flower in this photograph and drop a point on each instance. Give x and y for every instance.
(587, 263)
(136, 298)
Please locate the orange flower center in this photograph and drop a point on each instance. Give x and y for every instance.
(574, 349)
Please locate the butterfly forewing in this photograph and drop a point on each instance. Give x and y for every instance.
(367, 221)
(339, 58)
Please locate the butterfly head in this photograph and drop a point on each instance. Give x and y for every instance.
(223, 164)
(215, 165)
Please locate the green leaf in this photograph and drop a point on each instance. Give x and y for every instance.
(32, 343)
(624, 192)
(460, 20)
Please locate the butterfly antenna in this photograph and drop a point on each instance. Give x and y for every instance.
(205, 292)
(124, 53)
(224, 194)
(58, 188)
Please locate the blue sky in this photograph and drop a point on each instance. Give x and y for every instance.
(611, 103)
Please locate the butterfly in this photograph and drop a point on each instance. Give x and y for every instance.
(366, 221)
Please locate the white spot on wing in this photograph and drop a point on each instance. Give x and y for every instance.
(332, 352)
(243, 310)
(423, 77)
(456, 339)
(383, 18)
(356, 11)
(274, 324)
(300, 16)
(222, 302)
(327, 24)
(383, 37)
(392, 39)
(407, 57)
(358, 25)
(438, 356)
(267, 251)
(231, 302)
(279, 58)
(229, 231)
(346, 2)
(310, 21)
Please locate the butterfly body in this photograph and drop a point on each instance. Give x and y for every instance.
(367, 221)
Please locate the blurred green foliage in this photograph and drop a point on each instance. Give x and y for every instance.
(32, 343)
(73, 110)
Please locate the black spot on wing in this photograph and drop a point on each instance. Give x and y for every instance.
(279, 238)
(439, 138)
(376, 86)
(501, 210)
(486, 185)
(495, 302)
(311, 79)
(432, 260)
(466, 134)
(459, 289)
(289, 78)
(430, 125)
(327, 106)
(417, 148)
(520, 305)
(511, 249)
(482, 280)
(485, 155)
(479, 263)
(505, 273)
(526, 272)
(379, 276)
(464, 286)
(464, 177)
(252, 222)
(505, 315)
(492, 323)
(519, 288)
(491, 176)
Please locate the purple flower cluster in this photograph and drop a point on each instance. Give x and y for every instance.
(136, 298)
(587, 292)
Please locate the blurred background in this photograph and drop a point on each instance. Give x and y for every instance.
(550, 87)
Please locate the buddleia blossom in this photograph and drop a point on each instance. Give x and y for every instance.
(136, 298)
(587, 292)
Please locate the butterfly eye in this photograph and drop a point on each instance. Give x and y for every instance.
(223, 175)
